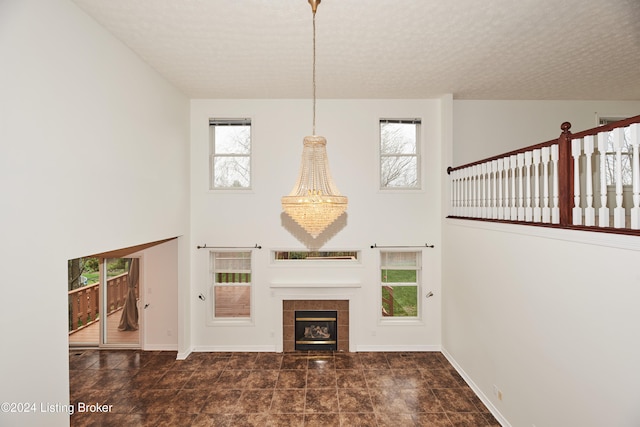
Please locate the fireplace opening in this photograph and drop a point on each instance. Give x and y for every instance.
(316, 330)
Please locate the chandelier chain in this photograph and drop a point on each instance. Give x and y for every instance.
(314, 73)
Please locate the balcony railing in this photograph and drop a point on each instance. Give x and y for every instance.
(84, 303)
(576, 181)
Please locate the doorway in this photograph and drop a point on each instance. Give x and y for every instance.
(104, 298)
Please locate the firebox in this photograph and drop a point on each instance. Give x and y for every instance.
(316, 330)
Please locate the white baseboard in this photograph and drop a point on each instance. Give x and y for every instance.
(234, 348)
(395, 348)
(184, 354)
(272, 349)
(160, 347)
(498, 416)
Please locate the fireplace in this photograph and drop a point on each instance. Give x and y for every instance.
(290, 309)
(316, 330)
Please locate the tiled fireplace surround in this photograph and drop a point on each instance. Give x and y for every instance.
(289, 308)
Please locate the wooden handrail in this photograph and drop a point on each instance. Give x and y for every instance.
(84, 288)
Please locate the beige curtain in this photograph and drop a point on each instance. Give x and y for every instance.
(129, 319)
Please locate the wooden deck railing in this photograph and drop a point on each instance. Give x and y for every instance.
(84, 306)
(576, 181)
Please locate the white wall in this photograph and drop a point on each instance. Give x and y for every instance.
(551, 322)
(94, 157)
(160, 280)
(254, 217)
(549, 318)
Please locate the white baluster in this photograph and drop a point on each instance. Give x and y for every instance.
(555, 206)
(506, 206)
(513, 161)
(483, 191)
(459, 192)
(589, 211)
(460, 173)
(576, 150)
(493, 168)
(476, 191)
(537, 212)
(487, 190)
(635, 167)
(603, 211)
(546, 211)
(465, 192)
(453, 204)
(520, 163)
(498, 214)
(528, 211)
(469, 191)
(452, 184)
(618, 211)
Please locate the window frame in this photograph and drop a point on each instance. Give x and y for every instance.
(213, 284)
(417, 155)
(213, 155)
(402, 320)
(330, 256)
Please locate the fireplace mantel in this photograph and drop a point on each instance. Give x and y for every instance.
(312, 285)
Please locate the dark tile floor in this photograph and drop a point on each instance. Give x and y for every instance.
(271, 389)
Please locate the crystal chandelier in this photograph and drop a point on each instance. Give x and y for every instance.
(315, 202)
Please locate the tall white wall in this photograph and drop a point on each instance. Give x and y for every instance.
(550, 318)
(94, 157)
(254, 217)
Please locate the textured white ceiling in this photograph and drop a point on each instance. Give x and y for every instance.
(491, 49)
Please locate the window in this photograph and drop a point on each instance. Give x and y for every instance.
(611, 158)
(231, 278)
(316, 255)
(230, 153)
(400, 279)
(399, 154)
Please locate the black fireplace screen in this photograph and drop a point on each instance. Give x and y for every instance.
(316, 330)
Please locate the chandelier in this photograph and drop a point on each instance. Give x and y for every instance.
(315, 202)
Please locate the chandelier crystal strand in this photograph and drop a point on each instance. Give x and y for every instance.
(315, 202)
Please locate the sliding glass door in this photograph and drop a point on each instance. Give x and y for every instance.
(120, 294)
(104, 298)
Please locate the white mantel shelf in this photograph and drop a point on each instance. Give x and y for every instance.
(307, 285)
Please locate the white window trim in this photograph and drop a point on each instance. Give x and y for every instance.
(402, 321)
(212, 320)
(417, 155)
(213, 155)
(307, 263)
